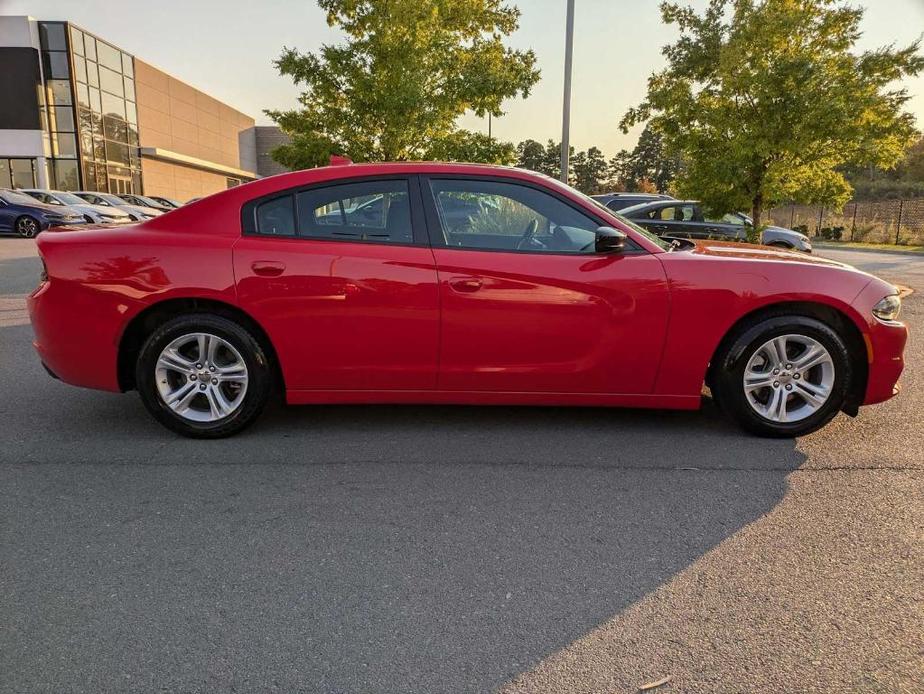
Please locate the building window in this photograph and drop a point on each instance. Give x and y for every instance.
(91, 124)
(52, 36)
(66, 175)
(17, 173)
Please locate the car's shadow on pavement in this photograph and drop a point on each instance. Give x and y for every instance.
(346, 548)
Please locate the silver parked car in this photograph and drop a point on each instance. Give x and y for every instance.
(166, 202)
(94, 214)
(136, 212)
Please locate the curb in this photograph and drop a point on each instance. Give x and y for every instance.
(863, 249)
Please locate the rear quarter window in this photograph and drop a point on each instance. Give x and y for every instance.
(276, 217)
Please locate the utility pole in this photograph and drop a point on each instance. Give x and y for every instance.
(566, 106)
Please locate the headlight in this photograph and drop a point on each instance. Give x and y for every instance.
(888, 308)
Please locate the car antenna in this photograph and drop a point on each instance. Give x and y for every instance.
(338, 160)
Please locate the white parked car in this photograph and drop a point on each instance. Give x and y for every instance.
(94, 214)
(136, 212)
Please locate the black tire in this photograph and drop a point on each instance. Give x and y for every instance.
(781, 244)
(28, 227)
(727, 382)
(259, 374)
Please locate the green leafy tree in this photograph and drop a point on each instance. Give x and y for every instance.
(765, 100)
(531, 155)
(905, 180)
(551, 159)
(590, 170)
(650, 162)
(620, 170)
(464, 145)
(395, 89)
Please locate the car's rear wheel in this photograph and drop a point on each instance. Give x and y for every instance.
(783, 376)
(203, 376)
(28, 227)
(781, 244)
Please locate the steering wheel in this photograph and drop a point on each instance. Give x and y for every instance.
(528, 235)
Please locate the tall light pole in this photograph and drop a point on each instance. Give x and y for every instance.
(566, 106)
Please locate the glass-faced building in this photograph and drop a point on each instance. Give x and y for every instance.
(81, 114)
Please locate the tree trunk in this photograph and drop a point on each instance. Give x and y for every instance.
(757, 210)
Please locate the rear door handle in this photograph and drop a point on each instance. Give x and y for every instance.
(466, 284)
(267, 268)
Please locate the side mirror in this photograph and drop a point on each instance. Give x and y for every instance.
(609, 240)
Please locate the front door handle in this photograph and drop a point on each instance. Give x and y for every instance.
(267, 268)
(466, 285)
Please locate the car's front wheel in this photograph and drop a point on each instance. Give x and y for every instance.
(783, 376)
(203, 376)
(28, 227)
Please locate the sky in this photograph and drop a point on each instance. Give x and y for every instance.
(226, 48)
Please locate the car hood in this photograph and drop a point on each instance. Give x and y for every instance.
(100, 209)
(746, 251)
(44, 208)
(90, 209)
(783, 230)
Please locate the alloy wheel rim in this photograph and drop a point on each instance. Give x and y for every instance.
(201, 377)
(789, 378)
(27, 227)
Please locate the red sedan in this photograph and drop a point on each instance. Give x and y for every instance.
(443, 283)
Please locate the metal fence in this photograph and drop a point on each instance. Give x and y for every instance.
(884, 221)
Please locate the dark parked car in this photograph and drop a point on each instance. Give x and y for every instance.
(26, 216)
(687, 219)
(619, 201)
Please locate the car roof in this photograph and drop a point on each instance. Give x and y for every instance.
(666, 203)
(220, 213)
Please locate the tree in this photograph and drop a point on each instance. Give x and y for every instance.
(764, 100)
(649, 161)
(408, 70)
(590, 170)
(551, 165)
(531, 155)
(620, 169)
(463, 145)
(905, 180)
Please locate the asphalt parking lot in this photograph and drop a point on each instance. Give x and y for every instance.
(454, 549)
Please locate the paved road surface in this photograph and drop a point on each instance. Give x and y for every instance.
(438, 549)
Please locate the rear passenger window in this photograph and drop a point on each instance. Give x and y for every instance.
(276, 217)
(376, 211)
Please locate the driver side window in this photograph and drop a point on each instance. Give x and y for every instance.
(494, 215)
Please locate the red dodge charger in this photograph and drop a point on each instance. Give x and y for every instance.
(448, 283)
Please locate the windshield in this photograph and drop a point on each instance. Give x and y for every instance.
(17, 198)
(139, 200)
(69, 198)
(111, 199)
